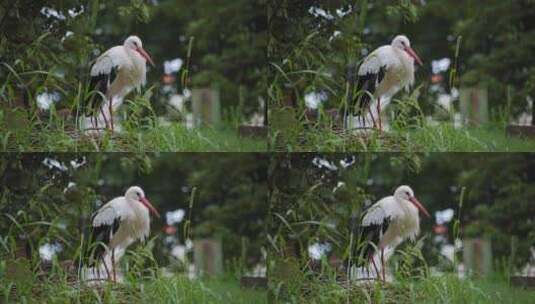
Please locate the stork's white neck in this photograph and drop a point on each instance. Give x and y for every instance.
(404, 57)
(139, 209)
(408, 221)
(134, 55)
(408, 67)
(408, 208)
(137, 68)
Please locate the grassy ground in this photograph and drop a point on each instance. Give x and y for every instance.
(150, 290)
(444, 289)
(174, 138)
(440, 138)
(34, 130)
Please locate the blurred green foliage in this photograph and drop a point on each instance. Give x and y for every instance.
(310, 204)
(41, 53)
(39, 204)
(311, 53)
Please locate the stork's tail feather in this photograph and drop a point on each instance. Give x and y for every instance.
(103, 269)
(97, 275)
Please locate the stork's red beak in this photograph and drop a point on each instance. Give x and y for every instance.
(145, 55)
(413, 54)
(149, 206)
(416, 203)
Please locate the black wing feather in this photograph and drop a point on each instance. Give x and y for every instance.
(100, 237)
(364, 83)
(368, 238)
(371, 235)
(100, 83)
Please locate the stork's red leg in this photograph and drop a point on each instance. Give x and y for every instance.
(98, 270)
(374, 266)
(104, 116)
(106, 268)
(111, 112)
(379, 113)
(113, 265)
(94, 121)
(371, 115)
(383, 263)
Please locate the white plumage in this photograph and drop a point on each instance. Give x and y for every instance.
(134, 217)
(382, 74)
(115, 74)
(118, 224)
(389, 222)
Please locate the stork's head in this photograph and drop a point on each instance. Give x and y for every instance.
(402, 42)
(405, 194)
(136, 194)
(134, 43)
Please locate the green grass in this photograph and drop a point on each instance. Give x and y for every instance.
(25, 128)
(441, 138)
(447, 288)
(173, 138)
(306, 69)
(490, 138)
(149, 290)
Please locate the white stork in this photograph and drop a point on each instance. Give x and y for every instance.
(381, 75)
(389, 222)
(115, 226)
(115, 74)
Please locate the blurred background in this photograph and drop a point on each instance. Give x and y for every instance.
(213, 209)
(209, 59)
(477, 69)
(481, 206)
